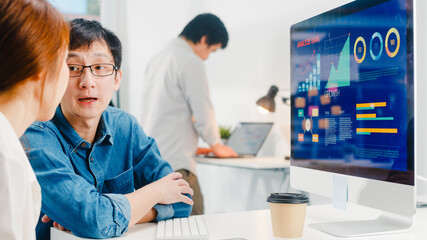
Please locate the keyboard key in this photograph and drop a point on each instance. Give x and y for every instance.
(160, 229)
(193, 226)
(201, 225)
(177, 227)
(185, 227)
(169, 228)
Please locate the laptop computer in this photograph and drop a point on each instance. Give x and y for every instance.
(247, 138)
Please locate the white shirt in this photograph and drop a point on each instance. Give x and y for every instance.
(176, 104)
(20, 194)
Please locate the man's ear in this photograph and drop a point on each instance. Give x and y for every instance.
(118, 80)
(204, 39)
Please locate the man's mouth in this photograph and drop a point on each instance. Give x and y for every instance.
(87, 100)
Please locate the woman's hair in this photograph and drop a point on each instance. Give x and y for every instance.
(33, 39)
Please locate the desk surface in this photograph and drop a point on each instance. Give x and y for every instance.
(256, 225)
(252, 163)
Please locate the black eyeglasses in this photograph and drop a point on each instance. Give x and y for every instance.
(100, 69)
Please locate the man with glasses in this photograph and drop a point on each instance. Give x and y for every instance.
(98, 171)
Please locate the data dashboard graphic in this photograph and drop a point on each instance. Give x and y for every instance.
(376, 46)
(339, 76)
(372, 116)
(350, 92)
(394, 42)
(360, 49)
(311, 74)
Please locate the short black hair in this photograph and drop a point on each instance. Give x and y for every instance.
(84, 32)
(209, 25)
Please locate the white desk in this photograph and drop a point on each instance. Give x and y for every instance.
(241, 184)
(251, 163)
(256, 225)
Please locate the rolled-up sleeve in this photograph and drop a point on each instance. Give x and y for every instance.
(68, 198)
(121, 212)
(164, 211)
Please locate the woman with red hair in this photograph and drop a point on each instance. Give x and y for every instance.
(33, 78)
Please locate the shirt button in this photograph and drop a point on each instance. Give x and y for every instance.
(91, 159)
(75, 150)
(83, 144)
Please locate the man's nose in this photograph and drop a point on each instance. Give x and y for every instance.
(87, 79)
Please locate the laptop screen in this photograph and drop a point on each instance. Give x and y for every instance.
(248, 137)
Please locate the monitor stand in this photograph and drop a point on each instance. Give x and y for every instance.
(386, 223)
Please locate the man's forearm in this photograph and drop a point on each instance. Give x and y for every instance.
(150, 216)
(139, 209)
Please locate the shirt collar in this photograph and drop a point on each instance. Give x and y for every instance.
(182, 43)
(105, 130)
(72, 137)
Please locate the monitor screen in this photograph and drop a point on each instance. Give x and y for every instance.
(352, 91)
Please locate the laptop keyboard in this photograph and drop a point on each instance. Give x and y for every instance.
(192, 227)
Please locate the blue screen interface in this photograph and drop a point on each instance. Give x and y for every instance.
(352, 87)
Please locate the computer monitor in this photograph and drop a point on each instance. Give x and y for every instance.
(352, 111)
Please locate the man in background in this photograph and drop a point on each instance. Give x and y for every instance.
(177, 109)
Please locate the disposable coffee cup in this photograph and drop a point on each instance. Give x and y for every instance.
(287, 214)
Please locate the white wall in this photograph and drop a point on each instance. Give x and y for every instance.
(257, 55)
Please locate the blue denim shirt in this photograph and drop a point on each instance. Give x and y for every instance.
(83, 184)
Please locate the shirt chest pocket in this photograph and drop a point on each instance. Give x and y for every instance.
(122, 183)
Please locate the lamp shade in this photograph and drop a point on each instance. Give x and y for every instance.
(267, 102)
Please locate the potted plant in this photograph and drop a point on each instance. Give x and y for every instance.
(224, 132)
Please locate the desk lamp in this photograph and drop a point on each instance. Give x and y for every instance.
(266, 104)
